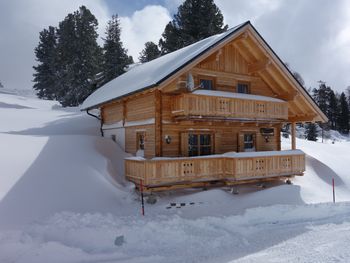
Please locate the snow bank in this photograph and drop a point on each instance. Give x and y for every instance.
(63, 199)
(172, 239)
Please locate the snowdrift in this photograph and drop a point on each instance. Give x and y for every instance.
(63, 198)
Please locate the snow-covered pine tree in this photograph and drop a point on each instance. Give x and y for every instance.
(343, 114)
(45, 77)
(150, 52)
(332, 110)
(115, 58)
(321, 96)
(1, 86)
(195, 20)
(311, 132)
(79, 57)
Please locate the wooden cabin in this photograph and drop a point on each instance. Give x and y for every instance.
(208, 114)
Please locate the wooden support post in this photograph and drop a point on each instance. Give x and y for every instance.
(293, 135)
(158, 123)
(124, 112)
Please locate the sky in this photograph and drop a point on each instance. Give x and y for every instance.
(312, 36)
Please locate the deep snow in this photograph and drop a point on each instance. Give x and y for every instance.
(63, 199)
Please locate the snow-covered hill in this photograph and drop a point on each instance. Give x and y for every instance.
(63, 199)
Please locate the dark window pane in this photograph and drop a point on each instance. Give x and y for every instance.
(205, 139)
(242, 88)
(248, 145)
(205, 150)
(193, 139)
(248, 137)
(206, 84)
(192, 150)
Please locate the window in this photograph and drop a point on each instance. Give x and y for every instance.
(248, 142)
(199, 144)
(113, 137)
(140, 140)
(207, 84)
(243, 88)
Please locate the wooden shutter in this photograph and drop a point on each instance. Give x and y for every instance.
(240, 142)
(184, 144)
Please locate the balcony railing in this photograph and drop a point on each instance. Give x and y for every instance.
(229, 169)
(250, 107)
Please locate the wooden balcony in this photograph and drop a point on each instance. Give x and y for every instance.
(166, 173)
(190, 105)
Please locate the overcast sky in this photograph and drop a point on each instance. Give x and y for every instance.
(313, 36)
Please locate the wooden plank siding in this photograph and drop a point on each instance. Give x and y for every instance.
(141, 108)
(157, 173)
(225, 136)
(112, 113)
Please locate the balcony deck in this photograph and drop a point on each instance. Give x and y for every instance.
(228, 169)
(228, 105)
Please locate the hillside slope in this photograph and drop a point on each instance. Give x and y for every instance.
(63, 199)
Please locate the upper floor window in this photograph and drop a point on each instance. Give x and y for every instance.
(207, 84)
(243, 88)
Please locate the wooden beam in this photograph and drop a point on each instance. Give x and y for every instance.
(279, 79)
(258, 66)
(236, 76)
(293, 131)
(243, 52)
(302, 118)
(242, 36)
(158, 123)
(270, 82)
(290, 96)
(124, 112)
(254, 48)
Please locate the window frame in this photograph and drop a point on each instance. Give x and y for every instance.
(140, 145)
(243, 83)
(208, 78)
(199, 145)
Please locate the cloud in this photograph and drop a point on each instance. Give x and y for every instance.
(144, 25)
(312, 36)
(20, 24)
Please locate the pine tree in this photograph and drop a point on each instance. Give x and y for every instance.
(311, 132)
(45, 77)
(321, 96)
(115, 58)
(150, 52)
(79, 57)
(195, 20)
(332, 110)
(1, 86)
(343, 117)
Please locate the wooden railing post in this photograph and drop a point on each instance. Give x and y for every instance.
(293, 136)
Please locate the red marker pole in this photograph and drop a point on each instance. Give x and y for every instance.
(333, 190)
(142, 203)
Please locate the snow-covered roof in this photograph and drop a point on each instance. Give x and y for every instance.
(235, 95)
(154, 72)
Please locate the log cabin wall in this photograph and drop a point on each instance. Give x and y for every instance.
(225, 136)
(112, 113)
(134, 115)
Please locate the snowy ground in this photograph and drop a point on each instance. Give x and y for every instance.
(63, 199)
